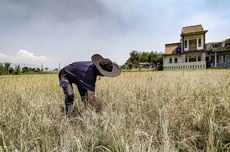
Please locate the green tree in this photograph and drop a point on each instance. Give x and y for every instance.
(25, 69)
(1, 69)
(134, 59)
(17, 69)
(11, 70)
(144, 57)
(227, 43)
(7, 67)
(154, 58)
(55, 70)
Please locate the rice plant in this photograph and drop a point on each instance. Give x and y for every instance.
(141, 111)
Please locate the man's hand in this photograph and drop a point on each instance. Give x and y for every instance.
(92, 100)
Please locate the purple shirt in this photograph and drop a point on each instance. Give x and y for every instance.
(82, 73)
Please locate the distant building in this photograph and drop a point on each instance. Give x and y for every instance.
(145, 65)
(193, 53)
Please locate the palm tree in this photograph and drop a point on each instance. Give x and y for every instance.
(17, 69)
(6, 67)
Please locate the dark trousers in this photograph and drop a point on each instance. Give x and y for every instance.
(67, 89)
(66, 84)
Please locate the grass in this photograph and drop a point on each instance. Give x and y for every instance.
(141, 111)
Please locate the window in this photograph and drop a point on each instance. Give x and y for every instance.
(186, 44)
(192, 58)
(170, 60)
(199, 42)
(221, 59)
(199, 58)
(192, 44)
(227, 59)
(175, 60)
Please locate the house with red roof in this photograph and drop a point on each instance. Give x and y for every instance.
(192, 52)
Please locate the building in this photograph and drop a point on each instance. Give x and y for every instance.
(145, 65)
(192, 52)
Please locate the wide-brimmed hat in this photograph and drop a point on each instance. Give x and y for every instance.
(105, 66)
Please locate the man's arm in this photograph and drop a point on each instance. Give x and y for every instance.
(91, 98)
(92, 101)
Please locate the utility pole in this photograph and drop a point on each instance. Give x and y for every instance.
(41, 67)
(59, 66)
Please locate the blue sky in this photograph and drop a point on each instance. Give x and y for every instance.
(51, 31)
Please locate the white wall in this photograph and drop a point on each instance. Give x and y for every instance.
(187, 38)
(166, 58)
(202, 42)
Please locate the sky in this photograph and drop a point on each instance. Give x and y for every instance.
(50, 32)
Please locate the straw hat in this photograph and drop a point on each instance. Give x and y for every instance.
(105, 66)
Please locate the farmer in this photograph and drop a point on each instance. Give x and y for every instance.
(84, 74)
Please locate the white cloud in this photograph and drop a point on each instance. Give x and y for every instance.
(29, 56)
(3, 56)
(24, 56)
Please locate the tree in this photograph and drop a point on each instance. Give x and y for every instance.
(227, 43)
(144, 57)
(154, 58)
(6, 67)
(11, 70)
(227, 40)
(134, 59)
(38, 70)
(55, 70)
(159, 60)
(25, 69)
(17, 69)
(1, 69)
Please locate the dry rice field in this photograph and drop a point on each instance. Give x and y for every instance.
(141, 111)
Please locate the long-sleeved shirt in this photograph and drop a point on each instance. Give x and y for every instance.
(82, 73)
